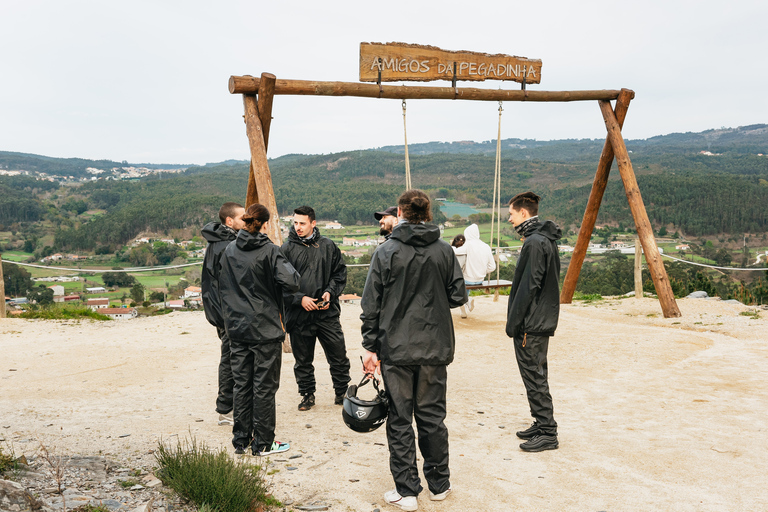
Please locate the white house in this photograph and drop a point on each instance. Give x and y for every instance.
(98, 303)
(333, 225)
(192, 291)
(58, 290)
(96, 289)
(120, 313)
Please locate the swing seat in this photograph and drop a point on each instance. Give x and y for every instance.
(490, 285)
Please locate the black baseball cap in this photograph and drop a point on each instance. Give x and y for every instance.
(392, 210)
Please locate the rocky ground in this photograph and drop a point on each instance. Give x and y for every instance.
(654, 413)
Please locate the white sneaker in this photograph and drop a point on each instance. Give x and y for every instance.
(404, 502)
(441, 496)
(463, 312)
(471, 304)
(226, 419)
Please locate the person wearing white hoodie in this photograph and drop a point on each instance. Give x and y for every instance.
(479, 261)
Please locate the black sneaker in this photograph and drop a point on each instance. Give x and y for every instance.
(307, 402)
(540, 443)
(339, 400)
(530, 432)
(240, 450)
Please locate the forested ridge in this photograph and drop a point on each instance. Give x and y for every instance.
(693, 193)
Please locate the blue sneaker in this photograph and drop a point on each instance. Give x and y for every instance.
(276, 447)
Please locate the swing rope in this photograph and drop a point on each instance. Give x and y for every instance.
(407, 163)
(497, 205)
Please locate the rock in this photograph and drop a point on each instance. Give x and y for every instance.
(732, 301)
(14, 498)
(146, 507)
(153, 483)
(312, 507)
(294, 456)
(697, 295)
(110, 504)
(307, 425)
(136, 487)
(291, 468)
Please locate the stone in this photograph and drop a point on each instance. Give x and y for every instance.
(294, 456)
(311, 507)
(110, 504)
(697, 295)
(153, 483)
(14, 498)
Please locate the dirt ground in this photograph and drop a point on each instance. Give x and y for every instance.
(653, 413)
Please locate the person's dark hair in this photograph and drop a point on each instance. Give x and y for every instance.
(526, 201)
(458, 240)
(415, 206)
(228, 210)
(305, 210)
(255, 216)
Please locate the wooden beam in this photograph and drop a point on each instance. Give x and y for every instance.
(266, 95)
(260, 176)
(638, 269)
(593, 204)
(643, 225)
(2, 289)
(250, 85)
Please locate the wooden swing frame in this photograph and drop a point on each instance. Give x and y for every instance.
(258, 95)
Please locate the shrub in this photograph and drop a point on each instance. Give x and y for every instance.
(63, 313)
(212, 479)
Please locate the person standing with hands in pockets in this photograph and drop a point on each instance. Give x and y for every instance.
(532, 315)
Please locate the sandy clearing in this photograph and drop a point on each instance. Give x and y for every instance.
(654, 413)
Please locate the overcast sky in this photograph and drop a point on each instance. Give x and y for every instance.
(146, 81)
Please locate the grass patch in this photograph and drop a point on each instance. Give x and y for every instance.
(64, 313)
(212, 479)
(587, 297)
(754, 315)
(8, 462)
(127, 484)
(91, 508)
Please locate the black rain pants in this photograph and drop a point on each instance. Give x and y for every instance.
(328, 332)
(417, 391)
(532, 362)
(226, 382)
(256, 371)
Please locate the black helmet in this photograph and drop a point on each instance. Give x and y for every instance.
(365, 415)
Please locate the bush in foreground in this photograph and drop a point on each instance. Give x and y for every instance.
(63, 313)
(212, 480)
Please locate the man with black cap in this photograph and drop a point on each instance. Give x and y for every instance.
(387, 220)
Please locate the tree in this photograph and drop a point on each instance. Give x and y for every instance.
(663, 231)
(723, 257)
(41, 295)
(117, 279)
(137, 293)
(17, 279)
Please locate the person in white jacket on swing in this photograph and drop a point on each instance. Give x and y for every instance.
(479, 262)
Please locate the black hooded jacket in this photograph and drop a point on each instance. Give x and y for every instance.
(218, 236)
(322, 270)
(254, 275)
(534, 301)
(413, 281)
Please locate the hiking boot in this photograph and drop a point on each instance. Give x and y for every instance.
(530, 432)
(275, 447)
(441, 496)
(403, 502)
(226, 419)
(240, 449)
(339, 400)
(540, 443)
(307, 402)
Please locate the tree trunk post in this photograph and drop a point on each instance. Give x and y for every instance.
(2, 289)
(642, 223)
(260, 179)
(638, 269)
(593, 204)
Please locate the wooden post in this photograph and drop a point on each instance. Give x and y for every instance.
(266, 95)
(643, 225)
(593, 204)
(638, 269)
(260, 179)
(2, 289)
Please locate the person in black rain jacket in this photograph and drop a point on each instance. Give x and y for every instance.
(218, 235)
(413, 282)
(313, 312)
(254, 276)
(532, 315)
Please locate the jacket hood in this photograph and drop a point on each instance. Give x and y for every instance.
(247, 241)
(416, 234)
(472, 233)
(218, 232)
(549, 229)
(294, 237)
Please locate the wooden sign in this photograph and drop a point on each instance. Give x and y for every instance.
(412, 62)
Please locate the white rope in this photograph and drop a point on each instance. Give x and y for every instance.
(709, 266)
(407, 163)
(132, 269)
(497, 203)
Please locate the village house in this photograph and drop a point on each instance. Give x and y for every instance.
(349, 298)
(192, 291)
(348, 241)
(58, 291)
(683, 247)
(175, 304)
(617, 244)
(96, 289)
(98, 303)
(52, 257)
(333, 225)
(120, 313)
